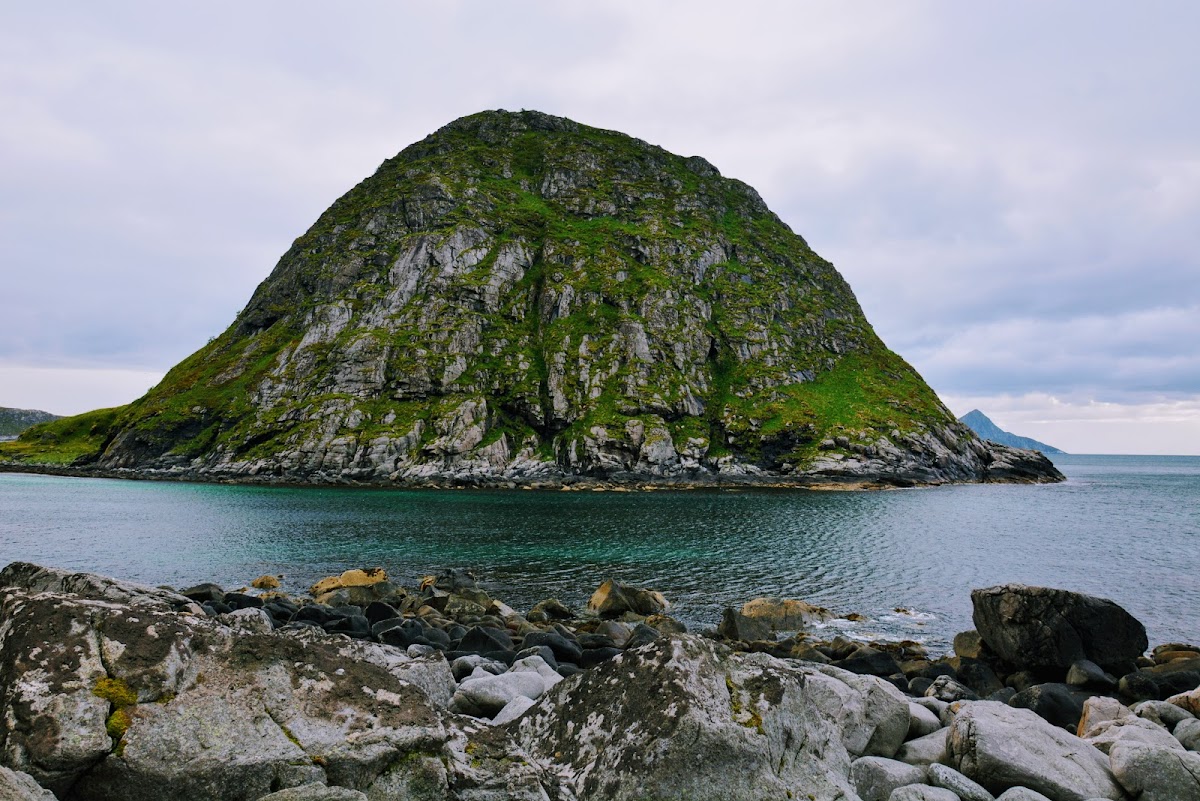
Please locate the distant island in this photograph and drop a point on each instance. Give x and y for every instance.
(14, 421)
(982, 425)
(521, 299)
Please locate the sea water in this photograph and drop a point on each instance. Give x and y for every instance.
(1121, 527)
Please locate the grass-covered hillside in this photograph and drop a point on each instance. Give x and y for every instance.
(521, 295)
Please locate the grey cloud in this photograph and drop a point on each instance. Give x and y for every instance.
(1011, 191)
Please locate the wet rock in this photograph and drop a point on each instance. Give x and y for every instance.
(869, 661)
(265, 583)
(616, 631)
(464, 666)
(613, 599)
(483, 640)
(978, 676)
(640, 636)
(665, 624)
(551, 609)
(1001, 747)
(204, 592)
(1157, 774)
(378, 611)
(736, 626)
(564, 650)
(784, 614)
(1060, 704)
(595, 656)
(1039, 628)
(875, 778)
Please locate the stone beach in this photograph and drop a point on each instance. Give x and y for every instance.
(361, 688)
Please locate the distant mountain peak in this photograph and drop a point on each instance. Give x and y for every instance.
(982, 425)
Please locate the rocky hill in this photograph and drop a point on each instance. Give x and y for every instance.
(983, 426)
(521, 298)
(14, 421)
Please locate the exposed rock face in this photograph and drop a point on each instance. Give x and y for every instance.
(522, 298)
(1048, 629)
(141, 697)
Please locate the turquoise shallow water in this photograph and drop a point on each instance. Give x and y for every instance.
(1123, 527)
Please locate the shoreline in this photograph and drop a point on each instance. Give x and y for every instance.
(369, 690)
(638, 483)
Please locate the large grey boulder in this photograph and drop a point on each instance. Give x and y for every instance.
(315, 792)
(922, 792)
(1043, 629)
(1187, 732)
(16, 786)
(684, 718)
(927, 750)
(128, 695)
(871, 714)
(1002, 747)
(964, 788)
(1107, 736)
(1157, 774)
(876, 777)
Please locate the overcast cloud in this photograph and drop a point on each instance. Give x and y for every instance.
(1013, 191)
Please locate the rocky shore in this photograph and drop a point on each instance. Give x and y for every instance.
(998, 465)
(362, 689)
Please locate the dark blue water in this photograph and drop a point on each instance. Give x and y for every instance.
(1122, 527)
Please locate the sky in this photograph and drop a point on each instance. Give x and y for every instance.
(1011, 189)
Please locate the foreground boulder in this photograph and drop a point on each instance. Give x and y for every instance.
(146, 698)
(1046, 630)
(684, 718)
(1001, 747)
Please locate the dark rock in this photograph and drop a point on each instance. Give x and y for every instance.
(969, 645)
(1003, 695)
(480, 640)
(594, 656)
(1084, 673)
(587, 641)
(378, 610)
(1043, 629)
(1149, 684)
(869, 661)
(736, 626)
(568, 670)
(898, 681)
(919, 685)
(204, 592)
(947, 689)
(979, 676)
(317, 613)
(641, 635)
(455, 579)
(1059, 704)
(1021, 680)
(353, 625)
(214, 608)
(564, 649)
(239, 600)
(552, 609)
(1139, 686)
(542, 651)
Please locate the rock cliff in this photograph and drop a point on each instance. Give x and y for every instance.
(521, 298)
